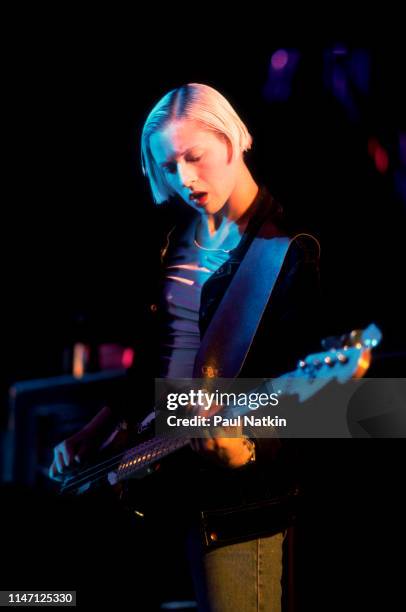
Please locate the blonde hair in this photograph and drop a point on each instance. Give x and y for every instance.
(197, 102)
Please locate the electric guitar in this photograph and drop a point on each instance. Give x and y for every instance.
(345, 357)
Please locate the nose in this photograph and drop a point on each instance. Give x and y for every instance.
(186, 174)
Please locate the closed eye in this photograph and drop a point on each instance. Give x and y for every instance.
(170, 168)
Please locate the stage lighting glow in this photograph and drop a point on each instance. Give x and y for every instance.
(127, 358)
(279, 59)
(373, 144)
(340, 50)
(381, 160)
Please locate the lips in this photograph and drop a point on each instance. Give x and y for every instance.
(200, 197)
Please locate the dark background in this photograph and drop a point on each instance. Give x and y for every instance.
(76, 230)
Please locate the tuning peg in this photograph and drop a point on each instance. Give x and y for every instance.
(370, 342)
(342, 358)
(356, 335)
(330, 361)
(301, 364)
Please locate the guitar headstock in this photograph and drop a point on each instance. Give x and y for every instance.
(369, 338)
(348, 356)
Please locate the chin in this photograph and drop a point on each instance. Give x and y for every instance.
(210, 210)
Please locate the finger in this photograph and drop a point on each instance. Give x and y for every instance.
(58, 461)
(210, 444)
(203, 445)
(66, 455)
(206, 445)
(53, 474)
(197, 445)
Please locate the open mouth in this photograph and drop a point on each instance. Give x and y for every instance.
(200, 197)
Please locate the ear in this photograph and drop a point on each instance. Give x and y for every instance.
(231, 154)
(234, 154)
(230, 151)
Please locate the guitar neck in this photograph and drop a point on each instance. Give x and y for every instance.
(348, 357)
(312, 375)
(140, 458)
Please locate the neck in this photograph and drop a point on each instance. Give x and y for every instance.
(236, 207)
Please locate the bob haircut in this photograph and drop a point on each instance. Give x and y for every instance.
(197, 102)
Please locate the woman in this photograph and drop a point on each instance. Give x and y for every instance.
(193, 145)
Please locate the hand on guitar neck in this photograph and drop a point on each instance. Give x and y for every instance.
(82, 445)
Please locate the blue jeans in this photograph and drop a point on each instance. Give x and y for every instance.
(244, 577)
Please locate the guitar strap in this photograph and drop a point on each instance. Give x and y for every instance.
(228, 338)
(222, 353)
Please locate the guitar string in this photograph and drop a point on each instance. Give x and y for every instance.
(102, 467)
(91, 474)
(116, 460)
(98, 472)
(120, 455)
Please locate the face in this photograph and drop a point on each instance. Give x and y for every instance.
(198, 164)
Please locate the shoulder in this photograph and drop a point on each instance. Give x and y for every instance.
(273, 221)
(305, 247)
(302, 260)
